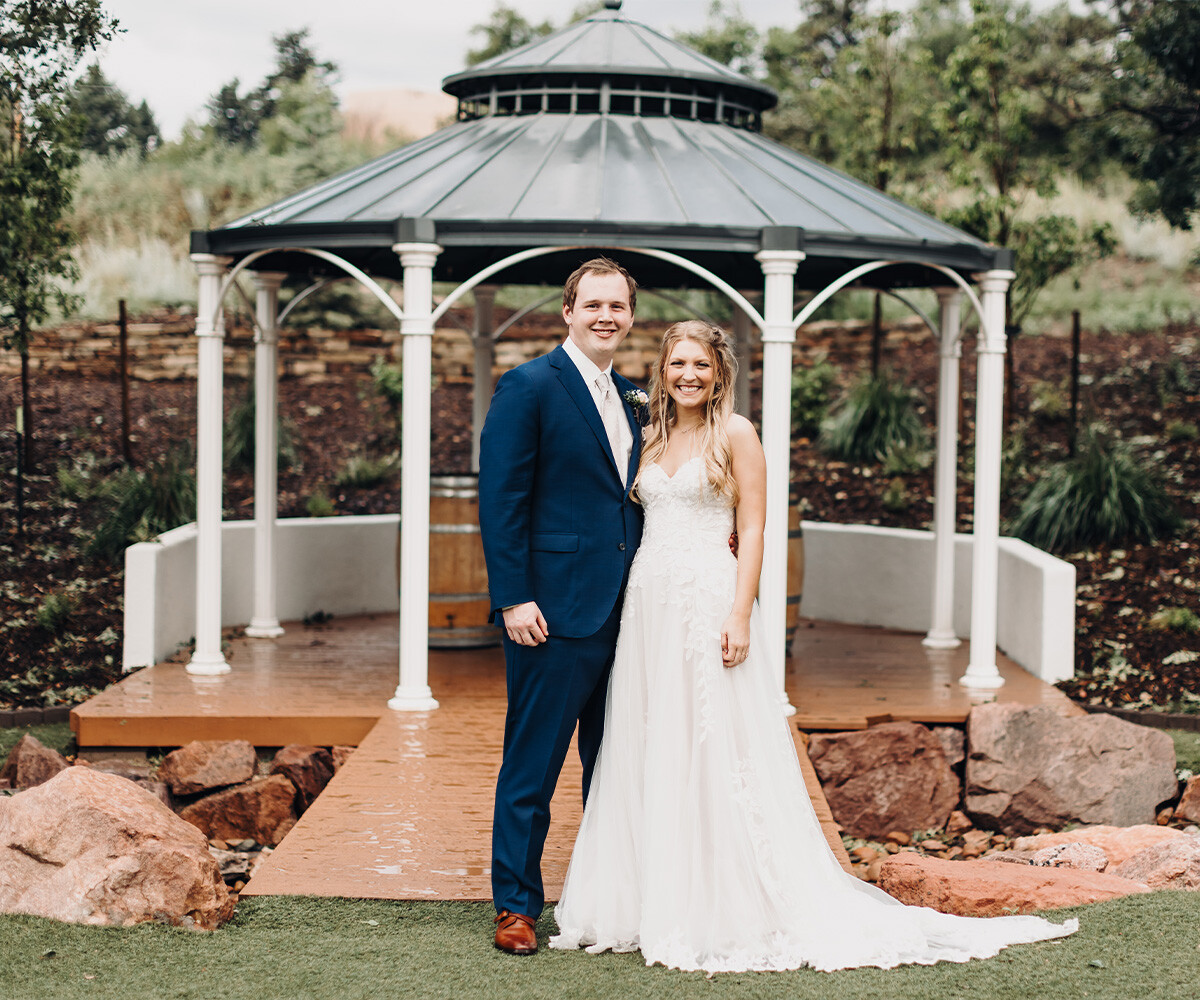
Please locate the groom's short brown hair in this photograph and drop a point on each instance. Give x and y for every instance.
(598, 265)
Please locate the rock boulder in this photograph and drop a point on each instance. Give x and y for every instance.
(262, 810)
(1029, 767)
(1171, 865)
(889, 777)
(203, 765)
(93, 848)
(1081, 857)
(30, 763)
(308, 768)
(1119, 843)
(988, 889)
(1189, 803)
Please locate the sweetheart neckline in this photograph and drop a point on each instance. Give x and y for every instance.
(672, 475)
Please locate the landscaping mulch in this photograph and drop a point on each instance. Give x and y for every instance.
(1145, 388)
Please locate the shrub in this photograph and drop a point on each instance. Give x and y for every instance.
(895, 496)
(239, 438)
(812, 388)
(145, 504)
(1175, 619)
(319, 505)
(906, 460)
(1104, 495)
(877, 416)
(54, 613)
(1181, 430)
(1049, 402)
(361, 471)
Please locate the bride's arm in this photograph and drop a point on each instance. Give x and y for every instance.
(750, 472)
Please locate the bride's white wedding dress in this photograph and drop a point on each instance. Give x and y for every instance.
(699, 845)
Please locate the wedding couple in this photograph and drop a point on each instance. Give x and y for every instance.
(698, 846)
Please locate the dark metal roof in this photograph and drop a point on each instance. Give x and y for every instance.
(672, 176)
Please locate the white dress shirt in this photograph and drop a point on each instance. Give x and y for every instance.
(589, 371)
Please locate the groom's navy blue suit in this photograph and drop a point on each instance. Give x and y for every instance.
(559, 529)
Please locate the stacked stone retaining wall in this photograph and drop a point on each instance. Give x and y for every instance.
(163, 347)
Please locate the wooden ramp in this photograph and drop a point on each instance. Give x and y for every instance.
(409, 815)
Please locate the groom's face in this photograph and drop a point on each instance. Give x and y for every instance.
(601, 317)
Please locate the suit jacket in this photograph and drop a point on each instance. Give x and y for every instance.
(558, 527)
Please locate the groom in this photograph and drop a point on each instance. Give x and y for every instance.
(557, 456)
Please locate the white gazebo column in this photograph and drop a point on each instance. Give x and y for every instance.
(744, 345)
(264, 620)
(941, 631)
(778, 335)
(481, 387)
(982, 671)
(413, 693)
(207, 657)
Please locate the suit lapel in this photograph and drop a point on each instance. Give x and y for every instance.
(623, 385)
(577, 389)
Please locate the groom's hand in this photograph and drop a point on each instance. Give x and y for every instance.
(525, 624)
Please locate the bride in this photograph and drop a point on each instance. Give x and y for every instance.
(698, 844)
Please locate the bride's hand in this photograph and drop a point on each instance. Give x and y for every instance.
(735, 640)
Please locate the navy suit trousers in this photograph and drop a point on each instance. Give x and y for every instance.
(561, 679)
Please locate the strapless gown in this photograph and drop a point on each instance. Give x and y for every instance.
(699, 845)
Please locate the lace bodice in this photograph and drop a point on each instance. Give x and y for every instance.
(682, 510)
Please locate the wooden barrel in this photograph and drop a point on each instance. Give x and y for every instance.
(795, 571)
(458, 590)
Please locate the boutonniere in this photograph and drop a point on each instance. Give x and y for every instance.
(635, 398)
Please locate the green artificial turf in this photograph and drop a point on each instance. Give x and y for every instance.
(57, 736)
(1139, 947)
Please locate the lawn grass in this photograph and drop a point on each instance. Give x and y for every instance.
(299, 948)
(55, 735)
(1187, 749)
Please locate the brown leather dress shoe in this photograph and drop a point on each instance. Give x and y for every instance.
(515, 933)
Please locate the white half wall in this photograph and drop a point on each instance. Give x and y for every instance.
(865, 575)
(340, 565)
(857, 574)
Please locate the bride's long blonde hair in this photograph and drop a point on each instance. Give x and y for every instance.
(714, 444)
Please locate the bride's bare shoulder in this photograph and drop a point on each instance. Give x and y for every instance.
(740, 429)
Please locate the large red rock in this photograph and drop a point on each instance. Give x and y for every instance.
(1189, 803)
(988, 889)
(203, 765)
(93, 848)
(889, 777)
(1029, 767)
(308, 768)
(31, 762)
(262, 811)
(1171, 865)
(1119, 843)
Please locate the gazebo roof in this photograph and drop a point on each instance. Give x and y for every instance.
(605, 133)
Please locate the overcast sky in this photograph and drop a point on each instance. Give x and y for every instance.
(175, 53)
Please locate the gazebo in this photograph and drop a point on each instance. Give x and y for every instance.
(606, 136)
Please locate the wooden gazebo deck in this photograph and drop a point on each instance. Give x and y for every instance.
(408, 816)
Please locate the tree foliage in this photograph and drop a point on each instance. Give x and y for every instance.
(109, 122)
(239, 119)
(1154, 94)
(507, 29)
(1002, 122)
(41, 45)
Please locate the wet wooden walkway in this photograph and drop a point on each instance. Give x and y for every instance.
(408, 816)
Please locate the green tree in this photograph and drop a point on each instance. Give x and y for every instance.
(504, 31)
(1005, 132)
(507, 29)
(1002, 133)
(109, 122)
(1154, 96)
(728, 38)
(238, 119)
(41, 46)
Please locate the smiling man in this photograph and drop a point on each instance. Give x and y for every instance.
(557, 457)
